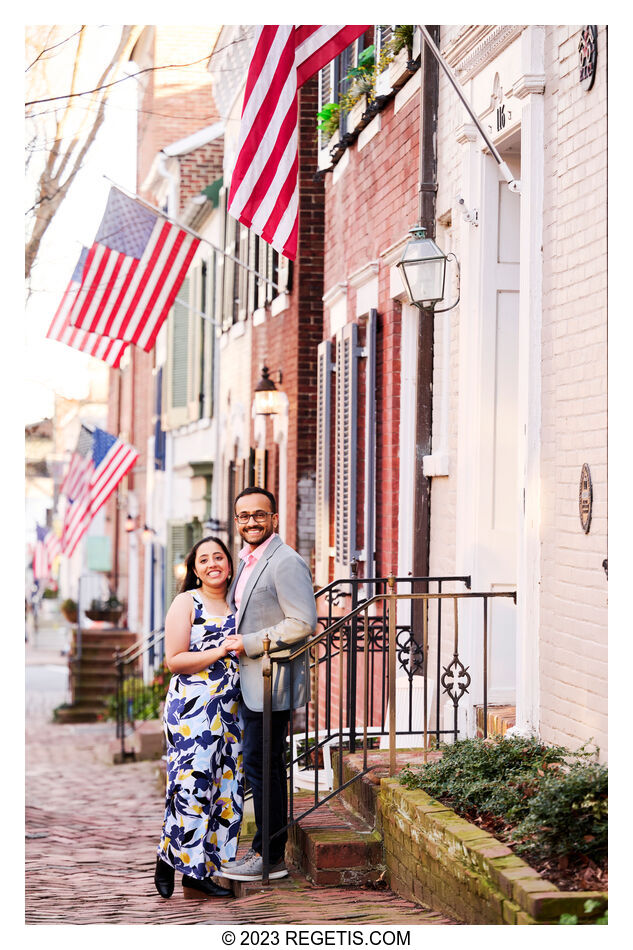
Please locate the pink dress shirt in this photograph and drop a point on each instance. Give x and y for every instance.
(251, 556)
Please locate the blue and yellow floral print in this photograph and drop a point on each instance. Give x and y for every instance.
(205, 777)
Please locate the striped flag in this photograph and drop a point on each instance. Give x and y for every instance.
(79, 465)
(47, 547)
(264, 193)
(132, 272)
(61, 329)
(109, 460)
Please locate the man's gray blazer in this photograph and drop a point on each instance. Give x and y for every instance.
(278, 600)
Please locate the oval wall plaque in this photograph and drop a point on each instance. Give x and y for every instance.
(588, 56)
(585, 498)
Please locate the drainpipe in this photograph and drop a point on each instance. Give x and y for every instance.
(429, 88)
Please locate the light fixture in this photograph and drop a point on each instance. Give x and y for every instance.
(423, 270)
(180, 568)
(268, 400)
(130, 524)
(148, 534)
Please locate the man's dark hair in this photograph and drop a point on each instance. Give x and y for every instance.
(254, 490)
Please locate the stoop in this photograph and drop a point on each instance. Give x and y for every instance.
(335, 846)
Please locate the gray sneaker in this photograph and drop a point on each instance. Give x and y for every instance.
(252, 869)
(238, 862)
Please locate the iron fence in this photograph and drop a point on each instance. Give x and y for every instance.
(337, 646)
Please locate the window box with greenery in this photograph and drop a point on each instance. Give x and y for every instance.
(360, 91)
(401, 48)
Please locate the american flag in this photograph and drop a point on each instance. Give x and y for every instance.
(109, 460)
(61, 329)
(264, 193)
(47, 547)
(79, 466)
(132, 273)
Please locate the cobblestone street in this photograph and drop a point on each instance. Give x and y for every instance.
(92, 829)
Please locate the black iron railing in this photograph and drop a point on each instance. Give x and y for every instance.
(396, 647)
(137, 700)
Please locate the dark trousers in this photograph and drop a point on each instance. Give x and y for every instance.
(253, 770)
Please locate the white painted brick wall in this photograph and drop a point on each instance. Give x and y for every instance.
(573, 623)
(573, 612)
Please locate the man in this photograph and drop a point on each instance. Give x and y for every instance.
(273, 596)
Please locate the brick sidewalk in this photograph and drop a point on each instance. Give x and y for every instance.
(91, 835)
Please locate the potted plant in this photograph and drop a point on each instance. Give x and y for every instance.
(108, 610)
(68, 608)
(328, 120)
(361, 90)
(401, 46)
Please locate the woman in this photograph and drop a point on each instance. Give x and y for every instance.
(205, 781)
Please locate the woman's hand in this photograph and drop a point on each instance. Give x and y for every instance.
(235, 644)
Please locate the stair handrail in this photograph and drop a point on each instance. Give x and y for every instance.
(267, 674)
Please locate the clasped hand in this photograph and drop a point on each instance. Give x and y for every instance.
(234, 644)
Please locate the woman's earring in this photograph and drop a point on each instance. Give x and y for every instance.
(198, 582)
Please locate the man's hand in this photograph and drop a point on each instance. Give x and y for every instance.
(234, 644)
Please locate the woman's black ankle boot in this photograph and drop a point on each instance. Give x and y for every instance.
(164, 878)
(207, 886)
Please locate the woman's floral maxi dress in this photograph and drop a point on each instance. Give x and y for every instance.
(205, 777)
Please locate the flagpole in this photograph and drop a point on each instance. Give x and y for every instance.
(513, 184)
(195, 234)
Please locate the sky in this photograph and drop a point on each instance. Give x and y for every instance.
(53, 367)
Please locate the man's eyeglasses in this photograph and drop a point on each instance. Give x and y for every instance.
(259, 516)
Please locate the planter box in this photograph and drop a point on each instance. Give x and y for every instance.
(437, 858)
(397, 71)
(355, 120)
(106, 616)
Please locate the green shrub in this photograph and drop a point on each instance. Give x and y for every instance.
(568, 814)
(555, 801)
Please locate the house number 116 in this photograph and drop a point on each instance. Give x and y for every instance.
(501, 117)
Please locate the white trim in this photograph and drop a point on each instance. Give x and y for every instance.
(340, 166)
(407, 92)
(363, 274)
(529, 393)
(259, 316)
(279, 304)
(367, 134)
(334, 294)
(237, 329)
(197, 140)
(280, 435)
(407, 473)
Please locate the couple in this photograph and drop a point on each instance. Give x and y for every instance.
(213, 712)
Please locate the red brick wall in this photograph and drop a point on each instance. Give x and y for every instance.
(175, 103)
(370, 207)
(289, 341)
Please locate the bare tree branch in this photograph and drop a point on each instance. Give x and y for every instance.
(65, 157)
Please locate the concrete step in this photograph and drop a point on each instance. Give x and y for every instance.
(80, 712)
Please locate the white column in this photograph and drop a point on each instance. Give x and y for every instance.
(530, 88)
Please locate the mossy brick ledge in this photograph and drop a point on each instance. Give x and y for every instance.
(436, 858)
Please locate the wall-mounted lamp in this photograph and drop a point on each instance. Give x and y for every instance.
(147, 534)
(180, 568)
(130, 524)
(268, 400)
(423, 270)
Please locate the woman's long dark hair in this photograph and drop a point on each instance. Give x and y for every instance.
(191, 581)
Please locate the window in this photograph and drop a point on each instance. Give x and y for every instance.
(188, 378)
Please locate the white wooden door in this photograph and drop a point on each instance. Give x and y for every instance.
(498, 504)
